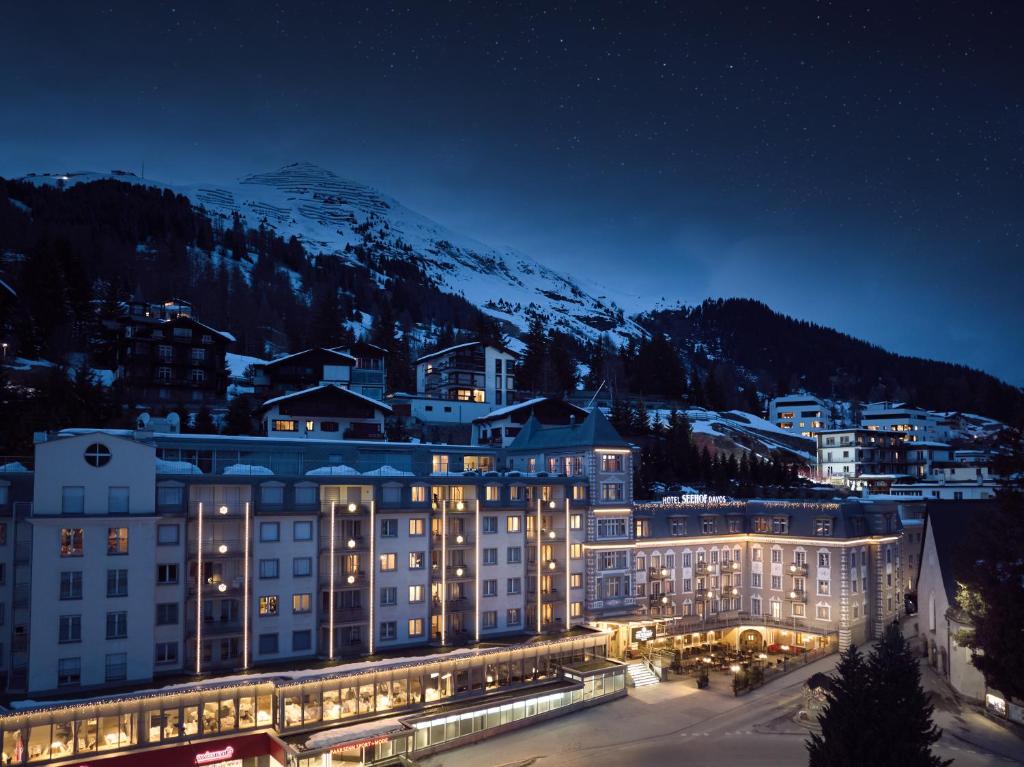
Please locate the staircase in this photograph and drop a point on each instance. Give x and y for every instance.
(640, 675)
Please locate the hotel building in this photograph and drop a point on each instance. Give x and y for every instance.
(144, 559)
(776, 572)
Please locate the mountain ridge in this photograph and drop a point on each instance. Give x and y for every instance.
(331, 215)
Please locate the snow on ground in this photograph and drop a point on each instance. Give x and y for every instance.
(327, 213)
(237, 363)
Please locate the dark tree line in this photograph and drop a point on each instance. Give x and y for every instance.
(75, 253)
(670, 456)
(743, 336)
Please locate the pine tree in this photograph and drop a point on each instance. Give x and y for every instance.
(903, 729)
(991, 571)
(204, 422)
(847, 738)
(239, 417)
(530, 373)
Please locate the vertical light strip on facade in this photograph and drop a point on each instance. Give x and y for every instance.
(245, 593)
(537, 536)
(476, 569)
(444, 570)
(373, 567)
(568, 569)
(330, 589)
(199, 587)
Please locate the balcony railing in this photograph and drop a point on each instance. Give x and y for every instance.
(344, 580)
(797, 595)
(656, 573)
(701, 568)
(458, 573)
(798, 568)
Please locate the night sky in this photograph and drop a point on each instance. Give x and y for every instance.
(858, 166)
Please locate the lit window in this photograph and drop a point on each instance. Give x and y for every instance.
(117, 540)
(415, 627)
(419, 494)
(71, 541)
(415, 527)
(283, 424)
(268, 605)
(387, 562)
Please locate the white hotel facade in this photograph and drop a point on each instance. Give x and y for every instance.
(177, 596)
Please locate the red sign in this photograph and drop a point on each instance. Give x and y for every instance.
(241, 747)
(218, 755)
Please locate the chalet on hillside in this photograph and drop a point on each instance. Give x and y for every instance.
(359, 367)
(327, 411)
(500, 427)
(165, 356)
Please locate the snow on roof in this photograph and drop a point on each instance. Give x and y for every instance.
(439, 352)
(376, 403)
(8, 288)
(247, 469)
(176, 467)
(501, 412)
(14, 467)
(344, 355)
(359, 731)
(388, 471)
(331, 471)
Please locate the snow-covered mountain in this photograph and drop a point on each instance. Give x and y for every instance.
(331, 215)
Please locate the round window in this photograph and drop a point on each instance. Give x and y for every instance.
(97, 455)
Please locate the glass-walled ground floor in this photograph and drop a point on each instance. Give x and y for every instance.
(383, 742)
(286, 704)
(642, 637)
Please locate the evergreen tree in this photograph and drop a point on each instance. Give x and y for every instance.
(204, 422)
(992, 570)
(239, 416)
(530, 372)
(847, 738)
(903, 728)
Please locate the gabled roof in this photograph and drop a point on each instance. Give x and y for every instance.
(326, 387)
(504, 412)
(342, 357)
(361, 346)
(594, 431)
(457, 347)
(951, 524)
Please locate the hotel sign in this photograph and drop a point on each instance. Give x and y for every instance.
(643, 634)
(695, 499)
(360, 743)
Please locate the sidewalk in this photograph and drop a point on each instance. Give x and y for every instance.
(967, 722)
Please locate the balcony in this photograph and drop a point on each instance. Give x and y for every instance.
(659, 600)
(730, 566)
(349, 615)
(216, 627)
(701, 568)
(223, 549)
(798, 568)
(343, 543)
(454, 540)
(458, 573)
(657, 573)
(215, 588)
(797, 595)
(344, 580)
(551, 596)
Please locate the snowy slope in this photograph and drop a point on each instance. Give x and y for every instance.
(737, 430)
(328, 213)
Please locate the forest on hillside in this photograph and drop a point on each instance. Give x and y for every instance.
(73, 255)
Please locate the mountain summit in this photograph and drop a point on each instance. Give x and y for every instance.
(335, 216)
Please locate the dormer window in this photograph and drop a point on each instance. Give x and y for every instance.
(823, 527)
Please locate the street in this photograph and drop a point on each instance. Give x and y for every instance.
(674, 723)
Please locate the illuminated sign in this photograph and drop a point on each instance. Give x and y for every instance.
(643, 634)
(695, 499)
(360, 744)
(218, 755)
